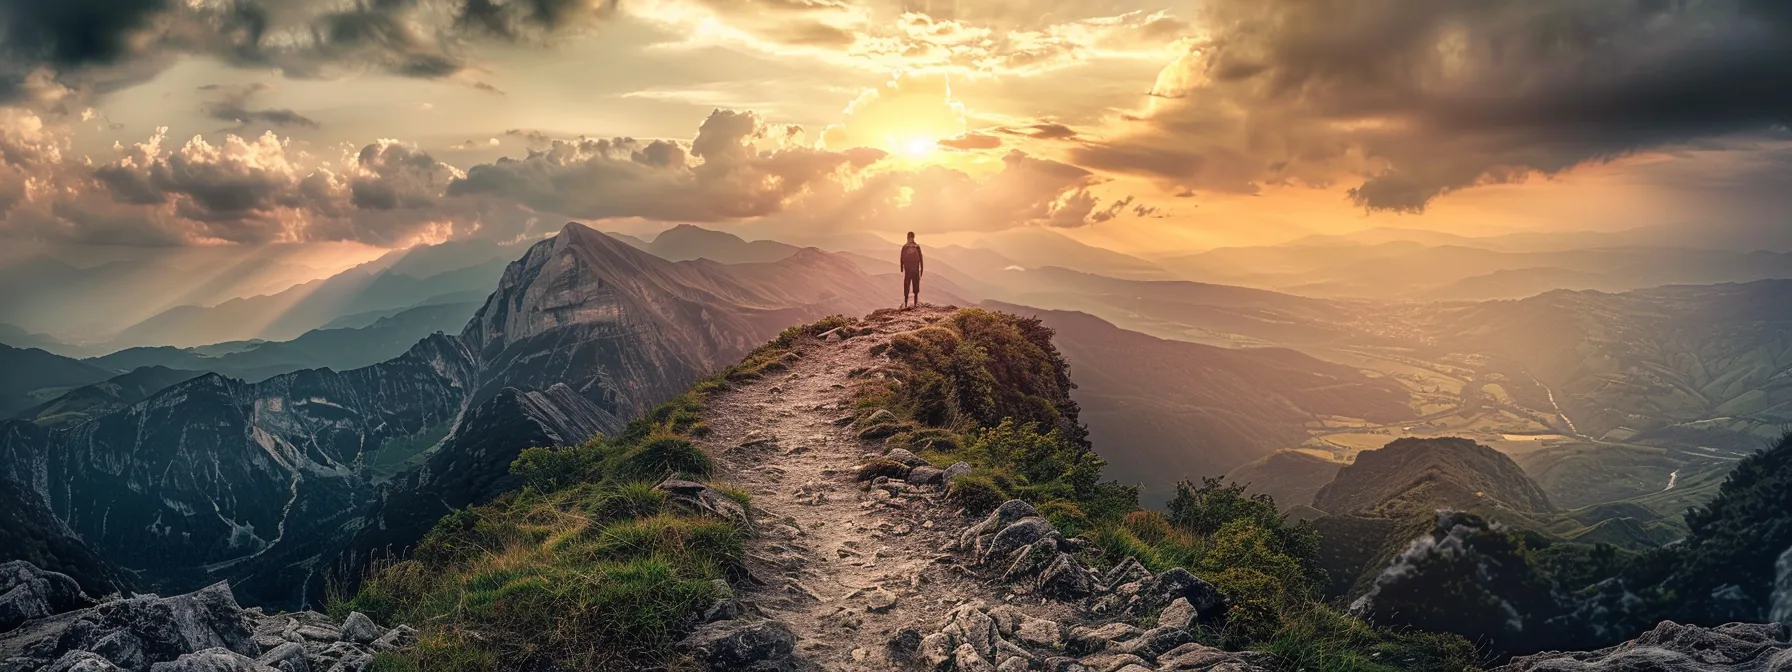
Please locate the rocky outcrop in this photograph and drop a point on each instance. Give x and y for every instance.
(1032, 557)
(27, 592)
(202, 631)
(1672, 647)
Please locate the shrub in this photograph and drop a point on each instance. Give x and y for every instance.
(977, 493)
(665, 455)
(1324, 640)
(882, 466)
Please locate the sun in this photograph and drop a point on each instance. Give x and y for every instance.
(917, 146)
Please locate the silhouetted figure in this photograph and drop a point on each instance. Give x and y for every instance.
(911, 272)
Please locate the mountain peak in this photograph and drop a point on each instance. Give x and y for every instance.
(1420, 475)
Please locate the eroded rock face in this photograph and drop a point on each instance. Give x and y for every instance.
(203, 631)
(1671, 647)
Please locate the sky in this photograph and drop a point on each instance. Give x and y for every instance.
(1149, 127)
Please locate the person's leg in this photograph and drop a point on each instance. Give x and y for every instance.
(917, 289)
(907, 280)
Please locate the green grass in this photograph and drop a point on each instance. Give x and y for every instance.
(584, 568)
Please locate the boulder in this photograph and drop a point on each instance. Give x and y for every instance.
(360, 629)
(1158, 592)
(925, 475)
(1085, 639)
(1128, 571)
(288, 657)
(211, 660)
(741, 645)
(966, 659)
(27, 592)
(1013, 537)
(1180, 614)
(80, 661)
(1066, 579)
(169, 627)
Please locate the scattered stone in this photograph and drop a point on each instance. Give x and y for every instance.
(881, 600)
(905, 645)
(1672, 647)
(741, 645)
(886, 468)
(288, 657)
(1157, 641)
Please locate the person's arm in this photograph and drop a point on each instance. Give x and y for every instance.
(920, 262)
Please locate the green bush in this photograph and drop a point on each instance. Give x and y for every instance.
(663, 456)
(976, 493)
(1319, 639)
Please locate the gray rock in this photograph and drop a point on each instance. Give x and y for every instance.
(1004, 515)
(27, 592)
(1180, 614)
(1039, 632)
(741, 645)
(1015, 536)
(121, 647)
(1163, 589)
(906, 456)
(1157, 641)
(81, 661)
(318, 633)
(957, 469)
(1013, 664)
(966, 659)
(1128, 571)
(1193, 656)
(1085, 639)
(360, 629)
(169, 627)
(210, 660)
(1066, 579)
(288, 657)
(1671, 647)
(925, 475)
(358, 662)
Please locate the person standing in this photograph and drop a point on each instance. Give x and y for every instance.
(911, 272)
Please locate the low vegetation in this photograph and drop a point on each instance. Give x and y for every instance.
(991, 390)
(587, 566)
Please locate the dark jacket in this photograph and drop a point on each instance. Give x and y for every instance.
(911, 258)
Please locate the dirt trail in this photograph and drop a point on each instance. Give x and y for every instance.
(844, 567)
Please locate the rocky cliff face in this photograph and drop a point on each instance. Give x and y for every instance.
(266, 484)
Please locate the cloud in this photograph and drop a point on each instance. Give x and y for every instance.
(233, 106)
(109, 43)
(737, 166)
(1415, 100)
(969, 140)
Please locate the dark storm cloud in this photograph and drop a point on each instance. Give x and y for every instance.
(1422, 98)
(116, 42)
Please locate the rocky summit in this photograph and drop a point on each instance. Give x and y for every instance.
(202, 631)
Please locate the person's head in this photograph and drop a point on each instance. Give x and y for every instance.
(911, 236)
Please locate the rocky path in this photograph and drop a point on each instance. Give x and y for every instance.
(875, 577)
(844, 566)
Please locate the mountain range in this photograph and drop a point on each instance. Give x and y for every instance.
(267, 483)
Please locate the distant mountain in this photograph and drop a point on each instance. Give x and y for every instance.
(1392, 495)
(281, 476)
(339, 349)
(1290, 476)
(20, 338)
(33, 376)
(1161, 411)
(401, 279)
(1034, 247)
(1422, 475)
(107, 396)
(686, 242)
